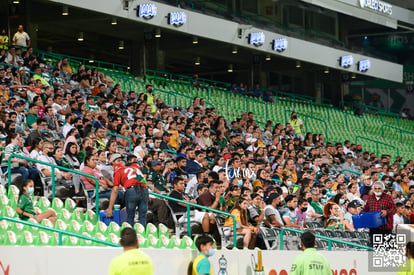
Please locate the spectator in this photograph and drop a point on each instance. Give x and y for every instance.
(334, 218)
(199, 217)
(21, 38)
(15, 147)
(4, 40)
(301, 214)
(380, 201)
(155, 179)
(272, 215)
(256, 210)
(289, 217)
(398, 216)
(353, 208)
(25, 207)
(105, 185)
(240, 213)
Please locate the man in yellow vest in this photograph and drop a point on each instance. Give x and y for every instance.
(132, 261)
(4, 40)
(201, 264)
(150, 98)
(297, 125)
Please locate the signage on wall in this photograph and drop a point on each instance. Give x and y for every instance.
(346, 61)
(364, 65)
(280, 44)
(146, 11)
(256, 38)
(177, 18)
(377, 5)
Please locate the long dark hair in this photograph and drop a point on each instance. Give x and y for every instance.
(67, 151)
(24, 184)
(35, 142)
(243, 213)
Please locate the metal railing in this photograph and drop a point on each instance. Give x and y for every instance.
(330, 240)
(377, 143)
(83, 61)
(60, 232)
(123, 137)
(351, 171)
(53, 175)
(401, 131)
(188, 204)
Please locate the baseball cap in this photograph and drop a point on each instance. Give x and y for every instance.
(354, 204)
(115, 157)
(155, 162)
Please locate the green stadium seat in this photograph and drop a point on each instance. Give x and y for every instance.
(186, 242)
(60, 224)
(26, 238)
(113, 227)
(70, 205)
(89, 227)
(78, 215)
(140, 229)
(57, 205)
(142, 241)
(151, 230)
(64, 215)
(153, 241)
(10, 238)
(43, 204)
(101, 227)
(91, 216)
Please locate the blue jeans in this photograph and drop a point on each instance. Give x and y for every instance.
(25, 172)
(137, 197)
(107, 194)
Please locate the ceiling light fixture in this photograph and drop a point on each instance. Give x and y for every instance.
(157, 33)
(326, 70)
(230, 68)
(234, 50)
(268, 58)
(197, 61)
(65, 10)
(114, 21)
(121, 45)
(195, 40)
(298, 64)
(80, 36)
(91, 58)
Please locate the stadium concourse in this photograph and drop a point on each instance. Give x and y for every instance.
(274, 177)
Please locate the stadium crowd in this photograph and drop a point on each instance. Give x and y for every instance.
(277, 176)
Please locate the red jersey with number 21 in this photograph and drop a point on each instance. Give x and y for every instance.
(128, 176)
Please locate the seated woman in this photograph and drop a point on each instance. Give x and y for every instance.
(105, 185)
(331, 212)
(240, 213)
(61, 161)
(25, 207)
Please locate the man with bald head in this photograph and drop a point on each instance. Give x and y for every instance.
(380, 201)
(21, 38)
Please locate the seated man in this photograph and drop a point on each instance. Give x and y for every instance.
(105, 185)
(272, 215)
(178, 193)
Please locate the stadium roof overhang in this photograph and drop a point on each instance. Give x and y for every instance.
(217, 35)
(379, 12)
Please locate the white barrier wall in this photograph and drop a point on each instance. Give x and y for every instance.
(95, 261)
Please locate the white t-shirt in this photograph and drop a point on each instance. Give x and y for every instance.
(398, 219)
(269, 211)
(21, 38)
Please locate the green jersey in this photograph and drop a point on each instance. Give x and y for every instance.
(25, 203)
(310, 262)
